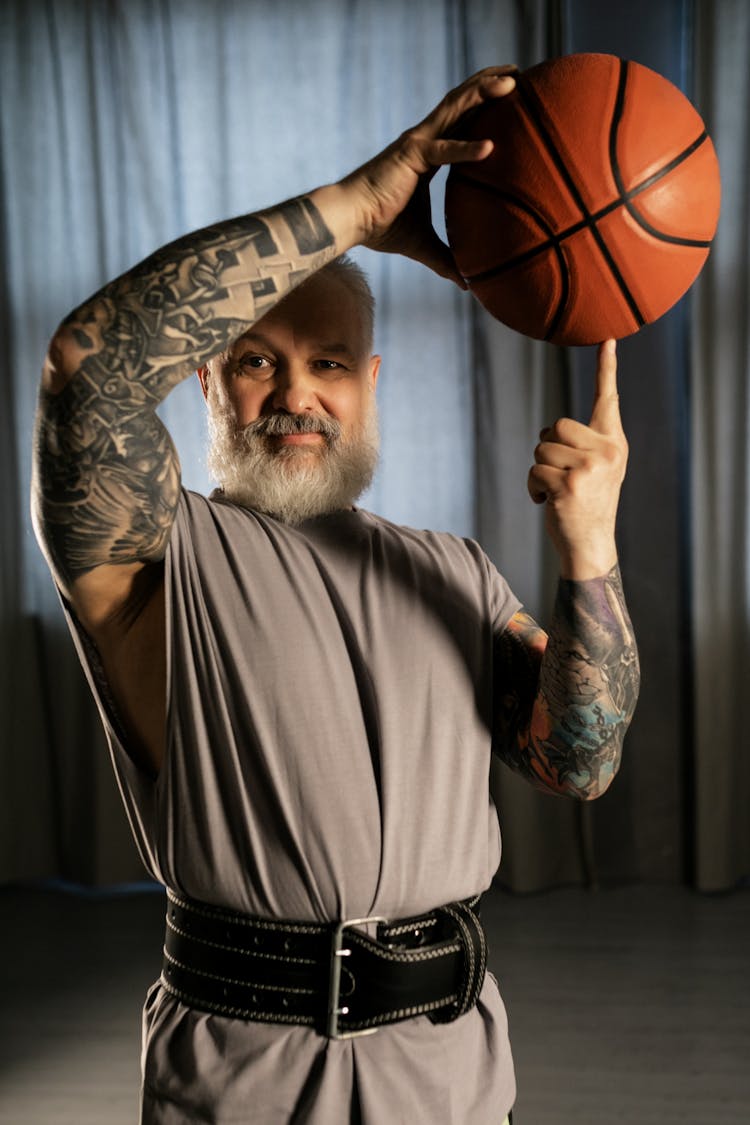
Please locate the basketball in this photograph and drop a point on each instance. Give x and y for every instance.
(595, 210)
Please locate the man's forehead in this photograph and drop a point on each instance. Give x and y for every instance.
(321, 314)
(314, 341)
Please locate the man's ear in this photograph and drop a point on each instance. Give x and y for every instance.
(204, 375)
(374, 371)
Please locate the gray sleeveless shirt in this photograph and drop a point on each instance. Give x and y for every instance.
(330, 703)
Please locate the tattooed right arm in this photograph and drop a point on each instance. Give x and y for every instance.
(106, 473)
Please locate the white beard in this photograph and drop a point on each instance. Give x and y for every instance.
(294, 483)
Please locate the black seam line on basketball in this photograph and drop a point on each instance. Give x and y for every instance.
(672, 239)
(535, 111)
(551, 243)
(609, 258)
(554, 240)
(529, 99)
(627, 196)
(622, 200)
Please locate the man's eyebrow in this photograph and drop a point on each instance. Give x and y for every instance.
(335, 348)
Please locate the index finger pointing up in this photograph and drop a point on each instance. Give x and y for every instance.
(605, 414)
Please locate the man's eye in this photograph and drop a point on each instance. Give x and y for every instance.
(328, 365)
(254, 365)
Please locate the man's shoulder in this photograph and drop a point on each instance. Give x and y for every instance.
(428, 537)
(447, 550)
(455, 562)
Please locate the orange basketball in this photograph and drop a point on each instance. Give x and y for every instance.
(595, 211)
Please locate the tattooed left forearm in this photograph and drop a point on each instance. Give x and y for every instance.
(569, 696)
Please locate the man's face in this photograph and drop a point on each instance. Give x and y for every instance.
(292, 411)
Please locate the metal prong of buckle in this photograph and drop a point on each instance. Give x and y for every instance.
(334, 988)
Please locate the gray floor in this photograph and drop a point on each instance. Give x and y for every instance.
(628, 1005)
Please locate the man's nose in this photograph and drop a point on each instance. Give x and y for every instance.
(294, 390)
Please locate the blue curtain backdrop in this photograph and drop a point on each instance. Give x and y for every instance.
(125, 124)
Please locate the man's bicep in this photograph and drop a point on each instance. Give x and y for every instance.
(106, 482)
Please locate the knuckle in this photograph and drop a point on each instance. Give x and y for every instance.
(408, 142)
(577, 482)
(562, 430)
(615, 452)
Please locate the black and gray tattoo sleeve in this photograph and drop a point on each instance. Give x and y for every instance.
(106, 475)
(564, 700)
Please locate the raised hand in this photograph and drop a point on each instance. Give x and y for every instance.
(578, 473)
(391, 192)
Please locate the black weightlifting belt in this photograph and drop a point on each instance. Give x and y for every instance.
(334, 978)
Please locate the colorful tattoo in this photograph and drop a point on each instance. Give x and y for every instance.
(566, 699)
(106, 473)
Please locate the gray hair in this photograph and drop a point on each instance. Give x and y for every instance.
(356, 280)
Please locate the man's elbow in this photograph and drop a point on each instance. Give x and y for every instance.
(594, 783)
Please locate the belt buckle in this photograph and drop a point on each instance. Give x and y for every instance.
(334, 987)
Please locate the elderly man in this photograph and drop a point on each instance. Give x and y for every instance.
(301, 698)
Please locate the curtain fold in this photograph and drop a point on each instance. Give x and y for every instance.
(720, 478)
(636, 831)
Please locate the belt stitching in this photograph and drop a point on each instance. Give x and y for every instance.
(469, 974)
(226, 1010)
(406, 956)
(242, 983)
(409, 927)
(468, 1002)
(275, 1017)
(312, 928)
(368, 944)
(401, 1013)
(238, 949)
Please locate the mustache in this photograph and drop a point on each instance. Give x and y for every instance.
(279, 425)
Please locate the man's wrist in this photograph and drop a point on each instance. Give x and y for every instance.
(337, 206)
(582, 565)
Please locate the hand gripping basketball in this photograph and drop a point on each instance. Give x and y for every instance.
(391, 191)
(578, 473)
